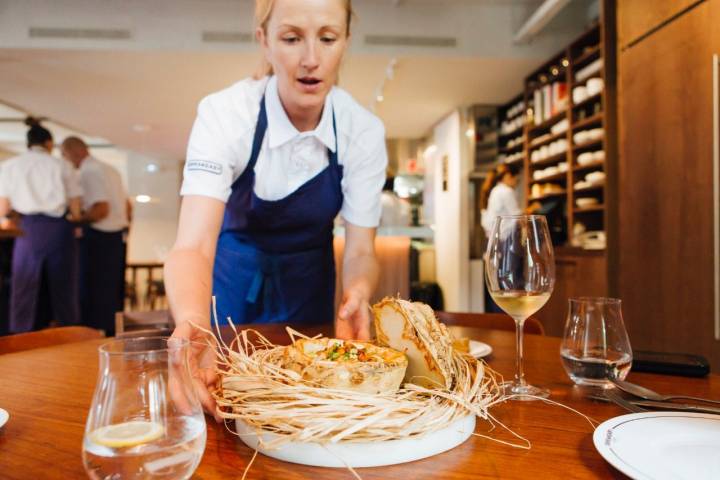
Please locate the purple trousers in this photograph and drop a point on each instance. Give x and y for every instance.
(46, 252)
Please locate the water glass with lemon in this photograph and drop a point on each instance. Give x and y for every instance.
(145, 420)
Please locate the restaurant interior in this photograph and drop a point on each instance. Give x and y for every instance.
(603, 118)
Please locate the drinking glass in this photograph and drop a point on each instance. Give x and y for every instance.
(520, 271)
(145, 420)
(595, 345)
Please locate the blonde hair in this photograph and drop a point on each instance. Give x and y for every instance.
(263, 12)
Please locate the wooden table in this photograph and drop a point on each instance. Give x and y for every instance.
(48, 392)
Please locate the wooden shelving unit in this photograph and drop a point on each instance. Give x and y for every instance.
(511, 126)
(579, 272)
(553, 83)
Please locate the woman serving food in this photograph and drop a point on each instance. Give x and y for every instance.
(271, 162)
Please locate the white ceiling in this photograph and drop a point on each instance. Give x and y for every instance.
(106, 92)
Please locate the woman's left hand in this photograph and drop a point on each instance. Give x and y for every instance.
(353, 322)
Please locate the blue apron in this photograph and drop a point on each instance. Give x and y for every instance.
(102, 278)
(46, 251)
(274, 259)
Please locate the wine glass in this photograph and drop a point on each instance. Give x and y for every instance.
(520, 272)
(145, 421)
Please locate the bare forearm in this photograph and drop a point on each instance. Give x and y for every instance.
(5, 207)
(360, 274)
(188, 280)
(74, 205)
(96, 212)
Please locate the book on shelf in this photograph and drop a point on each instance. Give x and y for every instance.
(549, 100)
(538, 106)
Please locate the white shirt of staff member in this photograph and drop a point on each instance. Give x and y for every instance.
(38, 183)
(102, 183)
(222, 138)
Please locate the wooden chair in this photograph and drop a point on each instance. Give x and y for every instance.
(151, 323)
(47, 337)
(498, 321)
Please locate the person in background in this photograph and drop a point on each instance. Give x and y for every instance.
(102, 249)
(271, 161)
(499, 195)
(499, 198)
(42, 189)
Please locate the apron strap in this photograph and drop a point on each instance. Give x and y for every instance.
(333, 156)
(267, 281)
(260, 129)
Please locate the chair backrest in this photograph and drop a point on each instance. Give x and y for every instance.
(47, 338)
(498, 321)
(127, 323)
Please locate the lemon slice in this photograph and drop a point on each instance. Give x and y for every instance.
(127, 434)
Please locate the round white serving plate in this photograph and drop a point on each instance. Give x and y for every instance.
(479, 349)
(4, 416)
(362, 454)
(658, 445)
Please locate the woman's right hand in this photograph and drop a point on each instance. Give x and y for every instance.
(201, 362)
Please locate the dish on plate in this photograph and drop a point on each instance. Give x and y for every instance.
(347, 364)
(676, 445)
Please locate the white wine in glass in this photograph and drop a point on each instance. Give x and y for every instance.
(520, 272)
(519, 303)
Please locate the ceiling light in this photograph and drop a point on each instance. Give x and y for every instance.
(380, 98)
(565, 62)
(143, 198)
(140, 128)
(151, 167)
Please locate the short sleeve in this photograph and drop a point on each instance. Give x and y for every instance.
(208, 168)
(95, 187)
(364, 177)
(71, 180)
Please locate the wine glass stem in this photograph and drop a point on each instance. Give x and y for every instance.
(519, 371)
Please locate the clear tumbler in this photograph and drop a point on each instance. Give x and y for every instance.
(595, 346)
(145, 421)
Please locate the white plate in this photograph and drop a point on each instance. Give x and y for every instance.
(658, 445)
(4, 415)
(363, 454)
(479, 349)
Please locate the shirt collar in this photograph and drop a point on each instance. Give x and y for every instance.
(281, 130)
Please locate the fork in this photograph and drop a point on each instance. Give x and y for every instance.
(617, 399)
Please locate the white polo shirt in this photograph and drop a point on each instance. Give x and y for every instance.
(502, 201)
(222, 136)
(38, 183)
(102, 183)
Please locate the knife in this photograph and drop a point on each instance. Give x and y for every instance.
(662, 405)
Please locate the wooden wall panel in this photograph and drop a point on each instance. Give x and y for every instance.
(637, 17)
(665, 187)
(578, 274)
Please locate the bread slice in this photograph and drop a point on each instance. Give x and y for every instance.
(411, 327)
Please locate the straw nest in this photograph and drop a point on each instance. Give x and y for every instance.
(257, 388)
